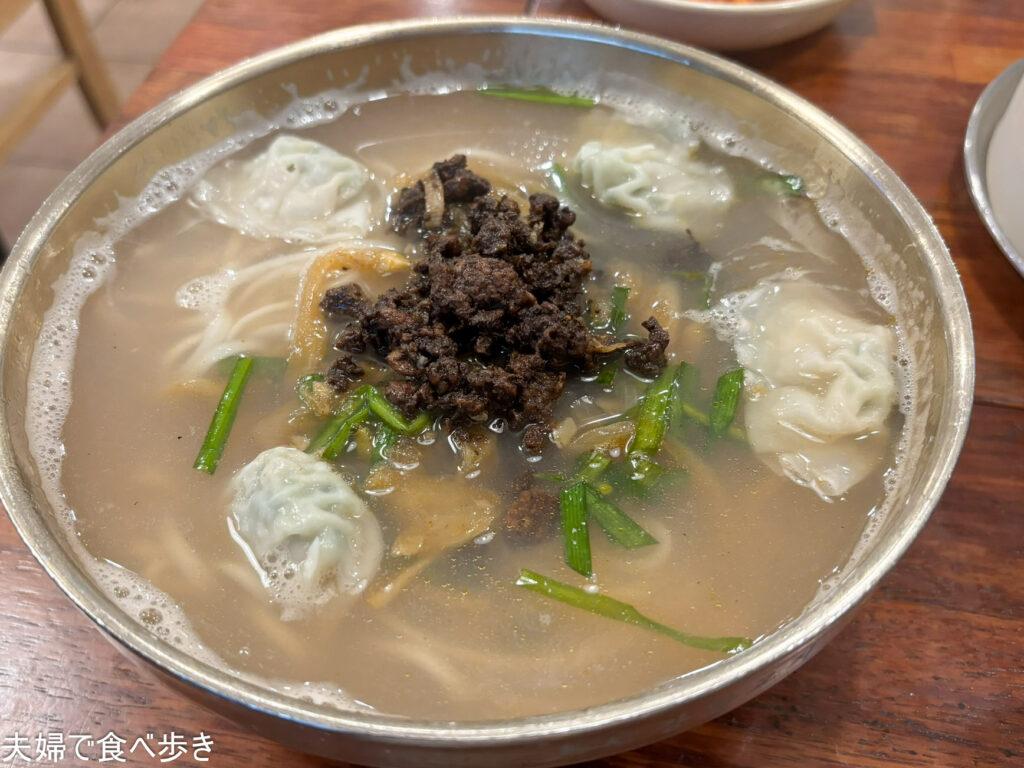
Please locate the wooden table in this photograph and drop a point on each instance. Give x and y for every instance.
(931, 670)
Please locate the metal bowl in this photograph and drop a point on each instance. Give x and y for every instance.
(987, 112)
(907, 247)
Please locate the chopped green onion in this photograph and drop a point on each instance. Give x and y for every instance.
(340, 440)
(606, 376)
(387, 413)
(610, 608)
(351, 404)
(383, 439)
(593, 466)
(782, 185)
(539, 95)
(223, 417)
(707, 280)
(684, 387)
(652, 415)
(573, 501)
(261, 365)
(620, 527)
(620, 294)
(644, 471)
(727, 397)
(551, 477)
(559, 177)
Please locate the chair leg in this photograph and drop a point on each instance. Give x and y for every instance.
(76, 39)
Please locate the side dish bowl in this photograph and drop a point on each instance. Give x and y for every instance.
(723, 25)
(986, 115)
(906, 246)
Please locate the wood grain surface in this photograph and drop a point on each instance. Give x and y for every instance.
(931, 670)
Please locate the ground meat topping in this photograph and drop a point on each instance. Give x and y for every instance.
(648, 358)
(532, 514)
(491, 322)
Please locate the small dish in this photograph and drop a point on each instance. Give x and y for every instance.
(986, 115)
(723, 24)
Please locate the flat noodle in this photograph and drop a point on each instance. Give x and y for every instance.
(309, 330)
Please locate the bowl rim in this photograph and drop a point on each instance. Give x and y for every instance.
(798, 633)
(739, 9)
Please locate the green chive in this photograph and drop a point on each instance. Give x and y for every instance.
(573, 502)
(652, 415)
(538, 95)
(606, 376)
(592, 466)
(684, 386)
(559, 177)
(271, 367)
(383, 439)
(338, 443)
(387, 413)
(620, 527)
(782, 185)
(727, 397)
(223, 417)
(620, 294)
(351, 404)
(610, 608)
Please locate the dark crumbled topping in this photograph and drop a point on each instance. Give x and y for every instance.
(648, 358)
(532, 515)
(491, 321)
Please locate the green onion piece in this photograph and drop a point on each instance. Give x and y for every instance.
(383, 439)
(262, 365)
(539, 95)
(350, 405)
(606, 377)
(223, 417)
(573, 501)
(337, 445)
(652, 415)
(620, 527)
(592, 467)
(387, 413)
(695, 414)
(684, 387)
(727, 397)
(644, 471)
(610, 608)
(551, 477)
(782, 185)
(559, 177)
(620, 294)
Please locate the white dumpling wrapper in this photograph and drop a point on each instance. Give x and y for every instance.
(666, 189)
(296, 189)
(310, 534)
(820, 384)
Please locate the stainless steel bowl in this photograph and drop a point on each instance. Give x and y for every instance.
(910, 251)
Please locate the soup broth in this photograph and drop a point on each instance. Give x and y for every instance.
(741, 548)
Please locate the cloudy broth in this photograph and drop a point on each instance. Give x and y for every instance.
(741, 547)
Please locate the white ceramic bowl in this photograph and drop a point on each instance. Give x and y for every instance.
(723, 25)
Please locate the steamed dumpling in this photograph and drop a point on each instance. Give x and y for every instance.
(296, 189)
(309, 532)
(667, 189)
(820, 384)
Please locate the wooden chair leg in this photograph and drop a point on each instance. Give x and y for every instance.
(76, 39)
